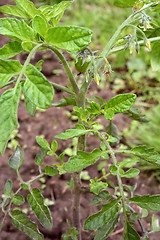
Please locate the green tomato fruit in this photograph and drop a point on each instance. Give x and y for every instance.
(80, 65)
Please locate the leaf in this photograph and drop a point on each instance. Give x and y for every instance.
(12, 27)
(18, 199)
(10, 50)
(134, 114)
(8, 188)
(155, 224)
(102, 197)
(30, 107)
(37, 89)
(107, 213)
(50, 171)
(28, 7)
(54, 145)
(71, 133)
(121, 103)
(40, 25)
(36, 201)
(147, 202)
(124, 3)
(147, 154)
(155, 57)
(81, 160)
(8, 112)
(109, 114)
(106, 229)
(70, 38)
(22, 222)
(130, 233)
(27, 46)
(53, 11)
(40, 157)
(14, 11)
(43, 143)
(131, 173)
(17, 159)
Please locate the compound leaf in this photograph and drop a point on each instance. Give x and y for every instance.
(147, 202)
(71, 133)
(36, 201)
(71, 38)
(37, 89)
(22, 222)
(82, 160)
(121, 103)
(8, 112)
(14, 11)
(17, 159)
(12, 27)
(10, 50)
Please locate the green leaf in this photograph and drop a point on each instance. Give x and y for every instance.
(121, 103)
(17, 159)
(107, 213)
(27, 46)
(40, 157)
(130, 233)
(54, 145)
(22, 222)
(104, 231)
(96, 186)
(71, 133)
(155, 224)
(50, 171)
(8, 112)
(39, 65)
(147, 154)
(12, 27)
(8, 188)
(102, 197)
(124, 3)
(28, 7)
(81, 160)
(37, 89)
(18, 199)
(109, 114)
(13, 11)
(40, 25)
(134, 114)
(131, 173)
(71, 38)
(43, 143)
(10, 50)
(147, 202)
(30, 107)
(53, 11)
(36, 201)
(155, 57)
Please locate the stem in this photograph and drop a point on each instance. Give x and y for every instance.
(66, 67)
(64, 89)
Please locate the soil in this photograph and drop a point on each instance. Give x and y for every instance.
(50, 123)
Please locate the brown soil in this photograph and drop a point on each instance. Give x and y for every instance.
(49, 123)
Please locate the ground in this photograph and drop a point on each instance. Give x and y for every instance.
(49, 123)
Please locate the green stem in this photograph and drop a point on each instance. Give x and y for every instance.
(60, 87)
(66, 67)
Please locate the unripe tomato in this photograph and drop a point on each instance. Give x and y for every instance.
(81, 65)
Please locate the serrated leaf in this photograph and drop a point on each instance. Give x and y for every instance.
(155, 57)
(37, 89)
(17, 159)
(40, 157)
(10, 50)
(43, 143)
(147, 202)
(8, 188)
(71, 133)
(36, 201)
(124, 3)
(70, 38)
(106, 229)
(107, 213)
(30, 106)
(50, 171)
(147, 154)
(81, 160)
(131, 173)
(121, 103)
(22, 222)
(53, 11)
(130, 233)
(18, 199)
(40, 25)
(13, 11)
(28, 7)
(8, 112)
(12, 27)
